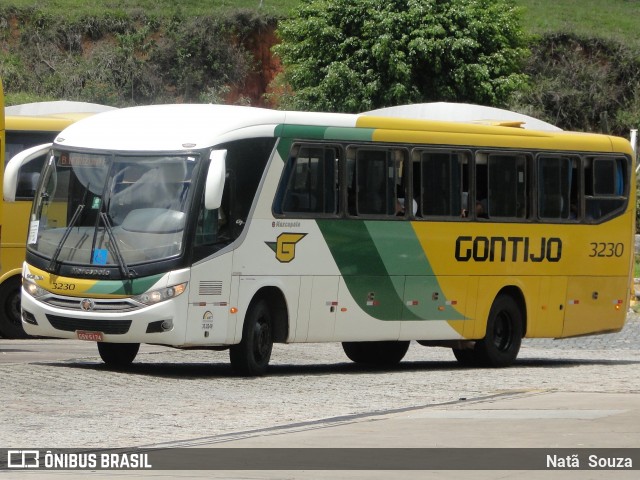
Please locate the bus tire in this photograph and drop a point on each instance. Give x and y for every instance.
(501, 344)
(466, 357)
(382, 353)
(251, 356)
(10, 315)
(118, 355)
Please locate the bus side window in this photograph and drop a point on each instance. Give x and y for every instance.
(379, 182)
(555, 178)
(507, 186)
(213, 231)
(441, 178)
(311, 181)
(605, 180)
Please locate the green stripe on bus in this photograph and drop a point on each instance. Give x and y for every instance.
(362, 268)
(401, 252)
(290, 133)
(301, 131)
(353, 134)
(386, 270)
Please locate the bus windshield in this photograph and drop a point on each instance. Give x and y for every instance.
(111, 210)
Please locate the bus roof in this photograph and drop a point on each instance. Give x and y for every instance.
(55, 108)
(25, 123)
(49, 116)
(184, 127)
(464, 112)
(181, 127)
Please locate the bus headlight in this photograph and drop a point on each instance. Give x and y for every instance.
(156, 296)
(33, 289)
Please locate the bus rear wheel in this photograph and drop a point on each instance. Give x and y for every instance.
(382, 353)
(501, 344)
(251, 356)
(118, 355)
(10, 315)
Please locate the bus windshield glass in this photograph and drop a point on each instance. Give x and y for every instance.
(104, 210)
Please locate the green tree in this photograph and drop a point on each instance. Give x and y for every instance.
(345, 56)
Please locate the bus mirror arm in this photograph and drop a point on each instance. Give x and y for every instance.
(215, 180)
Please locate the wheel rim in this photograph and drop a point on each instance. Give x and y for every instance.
(262, 341)
(503, 331)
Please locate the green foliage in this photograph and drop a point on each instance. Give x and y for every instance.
(126, 58)
(583, 83)
(348, 56)
(194, 59)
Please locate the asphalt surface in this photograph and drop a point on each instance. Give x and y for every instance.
(573, 394)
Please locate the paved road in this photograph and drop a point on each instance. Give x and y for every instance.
(573, 393)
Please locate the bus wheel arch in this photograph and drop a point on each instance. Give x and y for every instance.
(505, 328)
(518, 297)
(265, 323)
(10, 315)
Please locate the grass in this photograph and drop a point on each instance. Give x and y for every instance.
(616, 19)
(611, 19)
(158, 8)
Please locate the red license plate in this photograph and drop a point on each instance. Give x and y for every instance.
(90, 336)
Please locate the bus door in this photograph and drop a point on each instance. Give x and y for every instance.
(211, 294)
(213, 289)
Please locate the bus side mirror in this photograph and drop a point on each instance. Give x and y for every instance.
(12, 170)
(215, 180)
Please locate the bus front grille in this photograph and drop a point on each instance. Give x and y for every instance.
(98, 305)
(112, 327)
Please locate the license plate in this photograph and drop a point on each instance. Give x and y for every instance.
(89, 336)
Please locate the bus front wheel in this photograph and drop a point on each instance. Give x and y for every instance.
(10, 316)
(118, 355)
(251, 356)
(382, 353)
(501, 344)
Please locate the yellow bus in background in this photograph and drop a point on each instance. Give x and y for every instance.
(26, 126)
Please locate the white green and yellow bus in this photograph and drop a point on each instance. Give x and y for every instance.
(209, 226)
(27, 126)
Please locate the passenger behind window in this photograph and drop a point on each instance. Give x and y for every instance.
(481, 208)
(400, 208)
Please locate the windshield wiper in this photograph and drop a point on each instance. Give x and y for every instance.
(53, 264)
(124, 269)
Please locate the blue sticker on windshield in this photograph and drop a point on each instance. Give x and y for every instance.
(100, 256)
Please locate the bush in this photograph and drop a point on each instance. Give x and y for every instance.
(586, 84)
(121, 59)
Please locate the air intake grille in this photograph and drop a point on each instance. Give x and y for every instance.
(112, 327)
(99, 305)
(210, 287)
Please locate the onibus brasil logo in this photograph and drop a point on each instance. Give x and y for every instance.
(285, 246)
